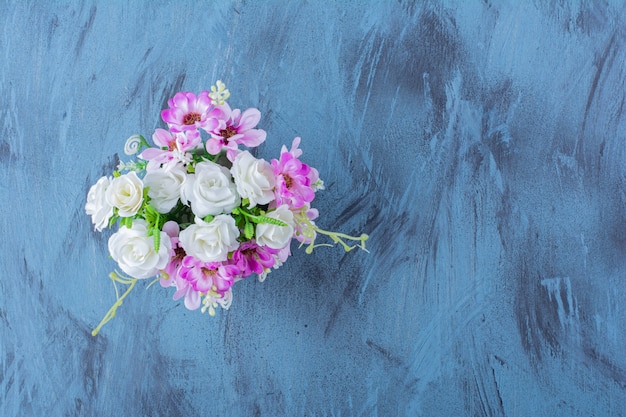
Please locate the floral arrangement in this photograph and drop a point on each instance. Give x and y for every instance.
(197, 212)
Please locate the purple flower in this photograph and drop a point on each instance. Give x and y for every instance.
(208, 276)
(302, 229)
(171, 148)
(252, 258)
(173, 267)
(295, 181)
(185, 289)
(170, 275)
(187, 112)
(229, 128)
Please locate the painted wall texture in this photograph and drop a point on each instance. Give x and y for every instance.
(482, 145)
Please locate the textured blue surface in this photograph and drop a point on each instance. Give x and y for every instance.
(481, 145)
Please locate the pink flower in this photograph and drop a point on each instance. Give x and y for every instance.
(173, 267)
(170, 276)
(229, 128)
(207, 276)
(280, 257)
(185, 289)
(252, 258)
(171, 148)
(187, 112)
(295, 181)
(302, 231)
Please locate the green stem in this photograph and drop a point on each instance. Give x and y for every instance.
(337, 238)
(112, 311)
(258, 219)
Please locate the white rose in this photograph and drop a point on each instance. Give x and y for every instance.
(134, 251)
(164, 187)
(126, 193)
(210, 190)
(274, 236)
(254, 178)
(97, 206)
(211, 242)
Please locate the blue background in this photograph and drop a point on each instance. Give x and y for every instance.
(480, 144)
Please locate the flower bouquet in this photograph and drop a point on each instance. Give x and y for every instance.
(197, 212)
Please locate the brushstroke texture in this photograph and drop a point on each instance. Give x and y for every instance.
(480, 144)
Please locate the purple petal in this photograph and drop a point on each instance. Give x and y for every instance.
(253, 137)
(249, 119)
(180, 292)
(222, 112)
(214, 146)
(172, 116)
(203, 101)
(182, 100)
(151, 153)
(161, 137)
(192, 300)
(171, 228)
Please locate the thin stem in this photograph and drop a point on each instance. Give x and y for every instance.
(112, 311)
(338, 238)
(309, 229)
(258, 218)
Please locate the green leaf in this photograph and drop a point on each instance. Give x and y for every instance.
(127, 222)
(152, 216)
(258, 218)
(113, 219)
(248, 231)
(264, 219)
(156, 234)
